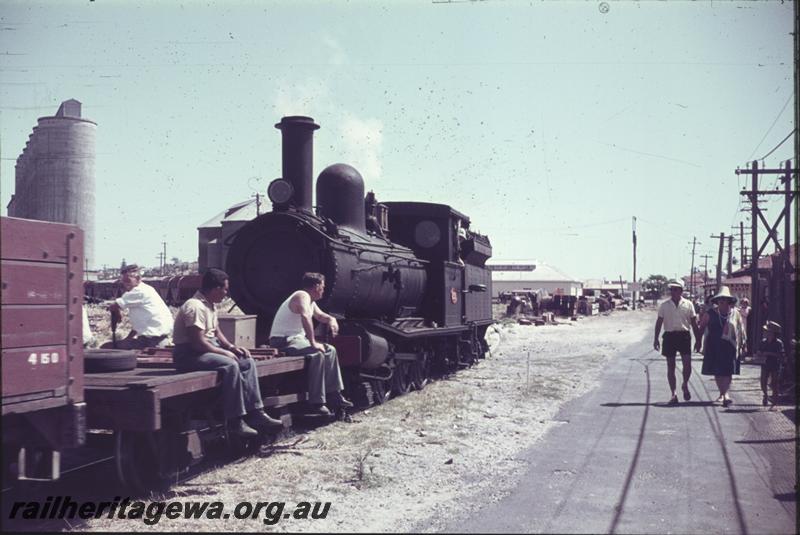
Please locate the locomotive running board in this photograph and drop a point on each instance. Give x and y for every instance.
(417, 333)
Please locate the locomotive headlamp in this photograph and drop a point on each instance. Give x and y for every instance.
(280, 191)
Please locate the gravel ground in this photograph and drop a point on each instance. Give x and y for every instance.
(416, 462)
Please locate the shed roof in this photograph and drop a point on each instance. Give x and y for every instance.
(540, 273)
(241, 211)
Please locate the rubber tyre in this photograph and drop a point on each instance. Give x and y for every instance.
(108, 360)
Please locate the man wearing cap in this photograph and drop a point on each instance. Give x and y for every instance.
(151, 320)
(677, 316)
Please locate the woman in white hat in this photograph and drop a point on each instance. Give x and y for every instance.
(724, 336)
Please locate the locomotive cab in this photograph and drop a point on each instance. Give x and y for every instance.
(460, 285)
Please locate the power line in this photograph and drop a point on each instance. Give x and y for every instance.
(771, 126)
(564, 227)
(778, 145)
(664, 228)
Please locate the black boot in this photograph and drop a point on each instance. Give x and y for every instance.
(259, 419)
(338, 400)
(237, 426)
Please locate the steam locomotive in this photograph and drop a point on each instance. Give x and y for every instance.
(406, 280)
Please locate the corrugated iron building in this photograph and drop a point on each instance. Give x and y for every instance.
(55, 174)
(212, 236)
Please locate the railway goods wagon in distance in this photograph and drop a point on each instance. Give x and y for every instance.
(43, 409)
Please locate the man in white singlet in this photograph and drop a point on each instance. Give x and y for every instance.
(293, 333)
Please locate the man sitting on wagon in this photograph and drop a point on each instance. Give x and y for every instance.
(293, 333)
(200, 345)
(151, 320)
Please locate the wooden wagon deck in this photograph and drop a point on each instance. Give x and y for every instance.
(132, 400)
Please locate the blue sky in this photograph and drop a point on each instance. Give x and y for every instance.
(550, 124)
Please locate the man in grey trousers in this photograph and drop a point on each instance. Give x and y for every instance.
(200, 345)
(293, 333)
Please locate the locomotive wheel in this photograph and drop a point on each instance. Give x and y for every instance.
(137, 461)
(362, 395)
(484, 347)
(467, 354)
(380, 392)
(401, 378)
(420, 371)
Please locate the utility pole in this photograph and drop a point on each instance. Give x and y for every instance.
(164, 262)
(633, 293)
(730, 256)
(719, 262)
(756, 214)
(258, 203)
(691, 272)
(743, 252)
(705, 257)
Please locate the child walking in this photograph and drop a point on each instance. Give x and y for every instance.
(771, 352)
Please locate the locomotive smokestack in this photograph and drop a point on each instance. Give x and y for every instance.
(298, 157)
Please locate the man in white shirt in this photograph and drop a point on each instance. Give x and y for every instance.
(88, 337)
(151, 320)
(293, 333)
(677, 315)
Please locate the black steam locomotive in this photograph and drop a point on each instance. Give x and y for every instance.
(407, 280)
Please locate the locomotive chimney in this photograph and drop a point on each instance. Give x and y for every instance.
(298, 157)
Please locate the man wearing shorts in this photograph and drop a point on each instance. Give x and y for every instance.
(677, 316)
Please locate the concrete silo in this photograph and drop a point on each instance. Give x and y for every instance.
(55, 173)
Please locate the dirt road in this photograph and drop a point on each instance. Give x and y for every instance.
(626, 462)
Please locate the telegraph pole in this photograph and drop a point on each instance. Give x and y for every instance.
(164, 263)
(789, 193)
(730, 256)
(743, 252)
(705, 257)
(691, 272)
(633, 293)
(719, 260)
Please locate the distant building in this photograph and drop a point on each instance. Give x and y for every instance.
(530, 276)
(212, 235)
(55, 174)
(739, 286)
(598, 287)
(695, 284)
